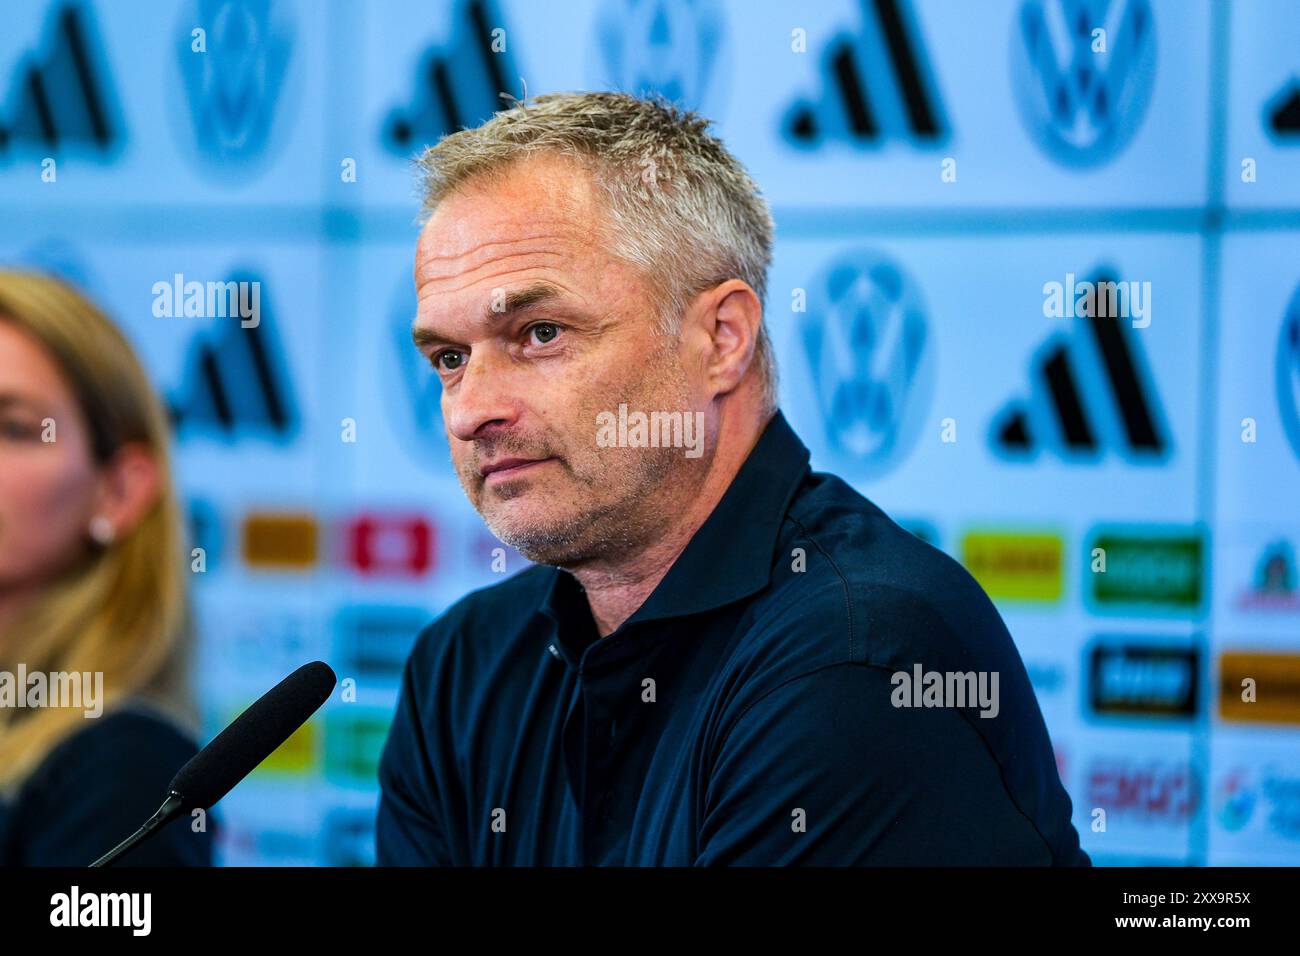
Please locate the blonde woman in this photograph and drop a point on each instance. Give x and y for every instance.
(94, 711)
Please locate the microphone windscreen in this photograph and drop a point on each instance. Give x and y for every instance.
(255, 734)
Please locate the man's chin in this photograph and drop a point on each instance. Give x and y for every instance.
(540, 546)
(538, 538)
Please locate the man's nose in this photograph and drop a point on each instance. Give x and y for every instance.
(483, 397)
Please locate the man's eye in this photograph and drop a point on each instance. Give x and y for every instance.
(449, 359)
(544, 332)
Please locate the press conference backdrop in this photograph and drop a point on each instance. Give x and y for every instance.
(1120, 473)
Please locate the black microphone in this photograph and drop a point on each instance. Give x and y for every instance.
(236, 751)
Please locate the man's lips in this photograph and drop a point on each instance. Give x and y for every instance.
(510, 467)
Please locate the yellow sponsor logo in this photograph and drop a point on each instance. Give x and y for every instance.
(279, 540)
(295, 756)
(1016, 566)
(1259, 687)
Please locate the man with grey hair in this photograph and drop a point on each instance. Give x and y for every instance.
(703, 666)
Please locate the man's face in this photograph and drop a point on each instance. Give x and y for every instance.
(535, 330)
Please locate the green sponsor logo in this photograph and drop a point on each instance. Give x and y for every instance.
(353, 743)
(1151, 570)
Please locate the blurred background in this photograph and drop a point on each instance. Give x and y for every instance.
(1121, 474)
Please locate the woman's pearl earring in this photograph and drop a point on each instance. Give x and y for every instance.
(101, 530)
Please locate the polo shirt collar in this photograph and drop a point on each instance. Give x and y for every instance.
(730, 556)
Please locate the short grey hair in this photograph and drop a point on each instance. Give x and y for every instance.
(680, 206)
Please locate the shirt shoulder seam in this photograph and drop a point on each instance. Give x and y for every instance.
(844, 585)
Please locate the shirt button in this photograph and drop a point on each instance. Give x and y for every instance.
(555, 651)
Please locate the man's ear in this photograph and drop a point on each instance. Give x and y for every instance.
(731, 316)
(129, 484)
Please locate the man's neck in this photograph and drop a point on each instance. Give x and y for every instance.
(616, 590)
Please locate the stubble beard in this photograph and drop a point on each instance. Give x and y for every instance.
(619, 500)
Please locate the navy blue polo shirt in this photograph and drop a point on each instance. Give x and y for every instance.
(749, 712)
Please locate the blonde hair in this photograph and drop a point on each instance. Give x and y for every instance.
(681, 207)
(122, 610)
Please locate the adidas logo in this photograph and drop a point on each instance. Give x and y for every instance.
(458, 88)
(878, 86)
(1089, 393)
(60, 98)
(235, 383)
(1282, 114)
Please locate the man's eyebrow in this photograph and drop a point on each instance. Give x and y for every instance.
(515, 301)
(533, 294)
(425, 338)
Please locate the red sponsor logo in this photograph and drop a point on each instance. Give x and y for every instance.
(391, 544)
(1150, 791)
